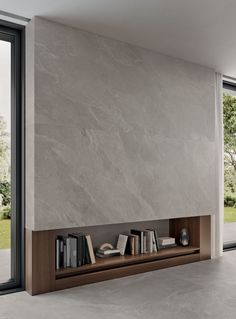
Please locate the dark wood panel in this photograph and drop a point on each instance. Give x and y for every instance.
(127, 260)
(40, 261)
(193, 226)
(42, 277)
(205, 237)
(89, 278)
(28, 261)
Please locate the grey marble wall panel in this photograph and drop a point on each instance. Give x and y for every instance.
(122, 134)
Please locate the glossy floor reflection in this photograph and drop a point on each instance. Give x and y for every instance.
(195, 291)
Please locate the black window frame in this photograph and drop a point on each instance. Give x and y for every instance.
(14, 34)
(229, 85)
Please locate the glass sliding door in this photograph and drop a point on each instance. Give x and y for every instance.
(11, 235)
(5, 161)
(229, 117)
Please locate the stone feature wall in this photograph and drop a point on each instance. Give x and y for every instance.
(120, 133)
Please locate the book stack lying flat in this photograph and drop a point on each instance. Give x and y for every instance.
(166, 242)
(74, 250)
(106, 253)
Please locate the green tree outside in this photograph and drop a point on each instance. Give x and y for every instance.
(229, 117)
(5, 167)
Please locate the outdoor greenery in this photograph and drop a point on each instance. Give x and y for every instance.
(4, 151)
(5, 191)
(5, 233)
(5, 186)
(230, 215)
(229, 113)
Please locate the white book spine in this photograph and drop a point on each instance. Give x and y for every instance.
(121, 244)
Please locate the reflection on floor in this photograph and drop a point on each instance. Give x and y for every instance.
(229, 232)
(5, 264)
(203, 290)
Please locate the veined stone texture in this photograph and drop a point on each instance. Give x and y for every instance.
(121, 133)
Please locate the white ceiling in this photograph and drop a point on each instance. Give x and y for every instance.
(200, 31)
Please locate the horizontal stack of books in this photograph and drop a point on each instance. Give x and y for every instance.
(106, 253)
(74, 250)
(167, 242)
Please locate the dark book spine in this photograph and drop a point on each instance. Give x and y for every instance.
(79, 251)
(87, 256)
(64, 253)
(58, 253)
(157, 239)
(129, 246)
(61, 258)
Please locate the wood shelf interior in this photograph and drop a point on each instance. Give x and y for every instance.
(120, 261)
(41, 275)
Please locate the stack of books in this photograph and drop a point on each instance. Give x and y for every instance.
(138, 242)
(167, 242)
(74, 250)
(106, 253)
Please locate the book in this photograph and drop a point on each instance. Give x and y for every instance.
(136, 245)
(57, 253)
(156, 245)
(83, 248)
(60, 252)
(156, 239)
(141, 242)
(167, 246)
(108, 251)
(107, 255)
(145, 243)
(121, 243)
(166, 240)
(68, 258)
(90, 249)
(73, 252)
(87, 255)
(81, 254)
(154, 242)
(149, 240)
(130, 247)
(64, 253)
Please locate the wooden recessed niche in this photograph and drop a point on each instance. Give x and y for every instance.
(42, 276)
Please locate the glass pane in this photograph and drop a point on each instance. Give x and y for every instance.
(5, 161)
(229, 104)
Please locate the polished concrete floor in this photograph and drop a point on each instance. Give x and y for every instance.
(201, 290)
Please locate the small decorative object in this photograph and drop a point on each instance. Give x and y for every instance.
(184, 237)
(106, 246)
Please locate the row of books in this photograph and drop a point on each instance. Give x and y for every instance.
(142, 242)
(74, 250)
